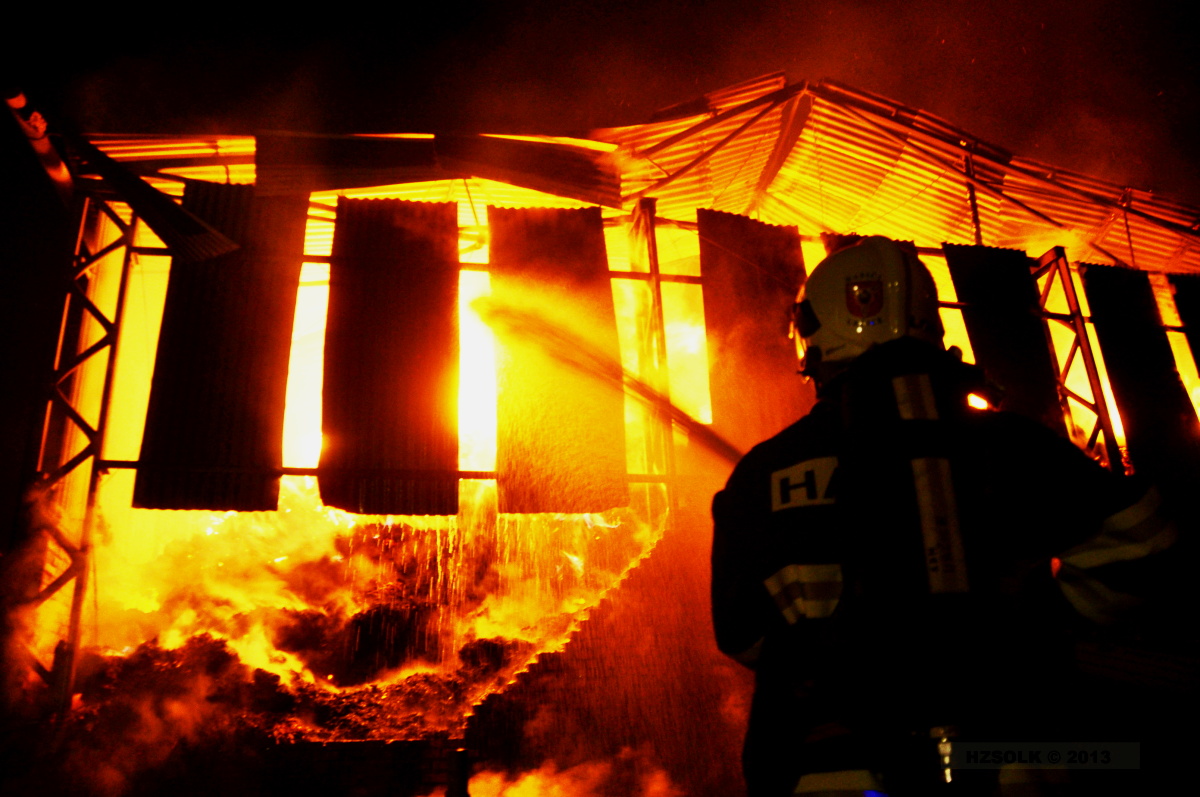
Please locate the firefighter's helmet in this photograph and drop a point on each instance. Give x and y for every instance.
(866, 294)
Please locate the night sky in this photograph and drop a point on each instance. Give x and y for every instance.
(1107, 87)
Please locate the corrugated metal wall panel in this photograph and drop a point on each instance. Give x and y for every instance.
(752, 272)
(214, 428)
(1007, 335)
(560, 443)
(1066, 209)
(1160, 424)
(991, 206)
(847, 145)
(851, 141)
(638, 137)
(638, 172)
(390, 397)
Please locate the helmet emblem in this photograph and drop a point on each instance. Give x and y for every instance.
(864, 297)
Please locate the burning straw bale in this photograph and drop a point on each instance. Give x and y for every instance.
(201, 690)
(142, 713)
(152, 715)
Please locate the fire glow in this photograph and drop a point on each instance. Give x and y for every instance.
(403, 623)
(336, 605)
(309, 623)
(406, 622)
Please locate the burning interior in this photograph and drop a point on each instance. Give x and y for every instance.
(380, 421)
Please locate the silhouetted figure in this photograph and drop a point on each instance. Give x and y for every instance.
(899, 566)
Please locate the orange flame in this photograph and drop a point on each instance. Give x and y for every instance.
(479, 595)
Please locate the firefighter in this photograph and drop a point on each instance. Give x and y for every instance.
(897, 566)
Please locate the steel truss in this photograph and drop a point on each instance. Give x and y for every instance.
(65, 418)
(1055, 267)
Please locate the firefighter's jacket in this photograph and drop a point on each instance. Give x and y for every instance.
(896, 554)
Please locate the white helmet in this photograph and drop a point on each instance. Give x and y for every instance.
(868, 293)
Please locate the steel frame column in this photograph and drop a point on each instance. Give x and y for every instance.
(61, 411)
(1055, 266)
(644, 227)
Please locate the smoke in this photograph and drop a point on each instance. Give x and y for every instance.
(140, 713)
(1016, 74)
(23, 693)
(139, 728)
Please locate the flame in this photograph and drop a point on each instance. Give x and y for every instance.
(952, 317)
(813, 252)
(687, 349)
(1185, 361)
(629, 772)
(306, 367)
(477, 377)
(978, 402)
(583, 780)
(419, 618)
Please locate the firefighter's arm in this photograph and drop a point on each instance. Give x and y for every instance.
(1108, 538)
(1108, 577)
(740, 605)
(755, 590)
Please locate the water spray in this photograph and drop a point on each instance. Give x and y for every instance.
(577, 353)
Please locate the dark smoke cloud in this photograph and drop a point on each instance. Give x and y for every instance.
(1107, 86)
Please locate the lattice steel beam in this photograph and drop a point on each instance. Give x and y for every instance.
(1057, 269)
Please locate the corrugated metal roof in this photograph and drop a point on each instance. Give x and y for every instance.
(863, 163)
(829, 158)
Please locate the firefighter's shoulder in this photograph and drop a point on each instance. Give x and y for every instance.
(816, 434)
(802, 455)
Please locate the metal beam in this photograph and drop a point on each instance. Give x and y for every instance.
(1055, 266)
(61, 409)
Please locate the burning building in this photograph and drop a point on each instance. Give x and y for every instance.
(401, 438)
